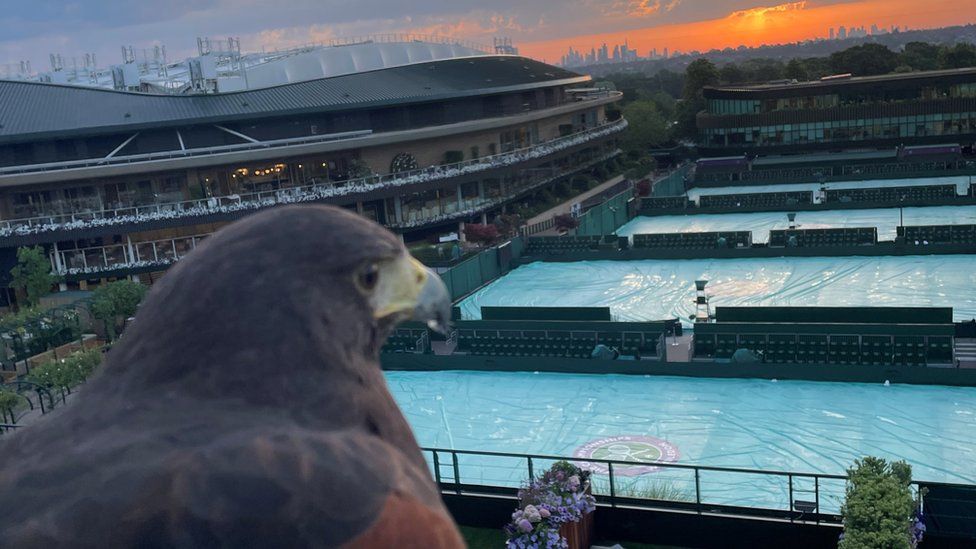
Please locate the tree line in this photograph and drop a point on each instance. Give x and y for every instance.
(661, 108)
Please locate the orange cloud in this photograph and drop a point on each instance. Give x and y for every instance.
(764, 11)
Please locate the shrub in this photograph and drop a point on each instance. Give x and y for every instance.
(565, 222)
(878, 509)
(643, 188)
(508, 224)
(481, 234)
(67, 372)
(9, 401)
(117, 300)
(453, 157)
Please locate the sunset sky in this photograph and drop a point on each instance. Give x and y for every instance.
(541, 28)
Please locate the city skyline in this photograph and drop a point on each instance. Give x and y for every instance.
(544, 30)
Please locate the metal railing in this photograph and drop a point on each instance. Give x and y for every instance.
(510, 192)
(315, 191)
(784, 495)
(126, 255)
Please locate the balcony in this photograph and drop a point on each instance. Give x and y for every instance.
(527, 182)
(318, 191)
(131, 255)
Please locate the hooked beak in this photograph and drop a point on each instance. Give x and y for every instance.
(415, 292)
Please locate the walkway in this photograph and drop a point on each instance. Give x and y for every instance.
(565, 207)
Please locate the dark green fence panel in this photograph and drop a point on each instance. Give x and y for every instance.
(672, 185)
(605, 218)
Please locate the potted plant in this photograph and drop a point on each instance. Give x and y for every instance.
(555, 510)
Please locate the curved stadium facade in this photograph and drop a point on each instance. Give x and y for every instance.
(119, 183)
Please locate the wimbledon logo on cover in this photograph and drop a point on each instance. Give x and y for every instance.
(633, 448)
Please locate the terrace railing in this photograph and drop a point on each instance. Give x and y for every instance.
(124, 256)
(655, 485)
(307, 193)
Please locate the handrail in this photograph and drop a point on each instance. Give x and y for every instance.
(315, 191)
(688, 466)
(741, 506)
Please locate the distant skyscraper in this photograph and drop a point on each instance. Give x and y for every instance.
(831, 33)
(841, 33)
(665, 55)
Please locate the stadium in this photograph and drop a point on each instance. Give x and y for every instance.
(416, 136)
(717, 343)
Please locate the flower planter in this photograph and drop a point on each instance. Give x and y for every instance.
(578, 534)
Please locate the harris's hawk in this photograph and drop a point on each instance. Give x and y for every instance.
(245, 406)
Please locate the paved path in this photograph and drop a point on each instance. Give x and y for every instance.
(564, 207)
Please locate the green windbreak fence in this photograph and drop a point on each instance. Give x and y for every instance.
(467, 276)
(605, 218)
(673, 184)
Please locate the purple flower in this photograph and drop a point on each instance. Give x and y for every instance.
(544, 512)
(524, 526)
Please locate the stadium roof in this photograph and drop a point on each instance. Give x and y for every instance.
(783, 88)
(31, 110)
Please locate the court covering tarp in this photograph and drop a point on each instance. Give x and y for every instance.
(743, 423)
(658, 289)
(961, 182)
(886, 220)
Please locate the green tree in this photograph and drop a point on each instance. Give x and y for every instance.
(33, 274)
(645, 127)
(864, 60)
(700, 73)
(116, 301)
(959, 56)
(796, 70)
(921, 56)
(731, 74)
(878, 507)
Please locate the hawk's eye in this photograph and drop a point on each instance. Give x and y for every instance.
(368, 277)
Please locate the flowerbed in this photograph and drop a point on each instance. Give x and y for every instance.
(553, 510)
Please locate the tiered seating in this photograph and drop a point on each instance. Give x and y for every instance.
(914, 194)
(805, 238)
(557, 338)
(939, 234)
(556, 245)
(756, 200)
(725, 239)
(651, 204)
(408, 340)
(805, 343)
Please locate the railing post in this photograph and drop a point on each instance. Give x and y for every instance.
(697, 490)
(816, 496)
(531, 472)
(790, 504)
(613, 491)
(437, 468)
(457, 473)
